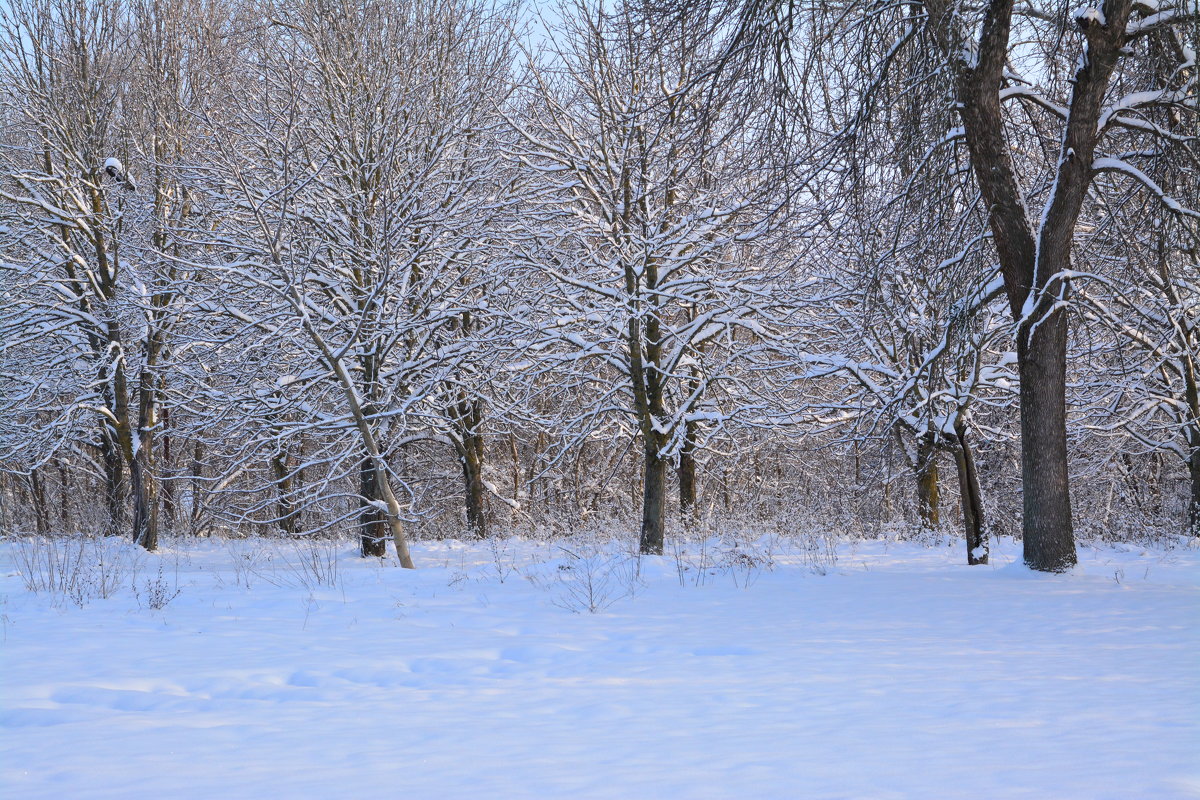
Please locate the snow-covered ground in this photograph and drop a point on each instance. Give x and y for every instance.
(898, 673)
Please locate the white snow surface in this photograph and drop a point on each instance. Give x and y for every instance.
(899, 673)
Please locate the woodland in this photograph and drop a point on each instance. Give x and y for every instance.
(434, 269)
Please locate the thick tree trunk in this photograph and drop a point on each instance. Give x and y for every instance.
(168, 514)
(1192, 437)
(64, 495)
(145, 499)
(1033, 260)
(472, 466)
(114, 480)
(395, 524)
(141, 468)
(41, 514)
(5, 502)
(285, 505)
(1194, 506)
(372, 527)
(467, 415)
(197, 509)
(654, 500)
(928, 495)
(1049, 539)
(972, 500)
(687, 477)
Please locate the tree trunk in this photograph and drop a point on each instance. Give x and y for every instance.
(1194, 506)
(114, 480)
(472, 467)
(927, 481)
(687, 477)
(516, 467)
(372, 528)
(197, 508)
(141, 468)
(1192, 437)
(145, 499)
(395, 524)
(972, 502)
(169, 508)
(1033, 260)
(41, 514)
(286, 509)
(5, 502)
(467, 415)
(64, 495)
(654, 497)
(1049, 540)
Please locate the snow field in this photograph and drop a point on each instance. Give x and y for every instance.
(897, 673)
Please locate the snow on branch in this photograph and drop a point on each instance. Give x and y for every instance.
(1117, 165)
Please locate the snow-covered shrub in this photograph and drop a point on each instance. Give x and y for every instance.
(249, 557)
(312, 564)
(156, 593)
(76, 569)
(818, 548)
(745, 562)
(592, 578)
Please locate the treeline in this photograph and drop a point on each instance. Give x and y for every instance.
(437, 265)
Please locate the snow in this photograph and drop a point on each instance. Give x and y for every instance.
(899, 672)
(1089, 15)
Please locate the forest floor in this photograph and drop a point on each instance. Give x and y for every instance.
(784, 668)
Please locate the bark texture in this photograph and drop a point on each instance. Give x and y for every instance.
(928, 494)
(654, 502)
(1033, 260)
(467, 416)
(687, 476)
(372, 527)
(972, 500)
(1194, 507)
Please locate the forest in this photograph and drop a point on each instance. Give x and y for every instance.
(433, 269)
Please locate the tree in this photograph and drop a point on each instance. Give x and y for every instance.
(1003, 92)
(643, 209)
(351, 178)
(97, 293)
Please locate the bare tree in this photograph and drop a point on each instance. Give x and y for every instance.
(1003, 92)
(643, 211)
(96, 297)
(352, 209)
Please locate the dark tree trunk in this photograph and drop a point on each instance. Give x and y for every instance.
(372, 525)
(473, 486)
(1033, 260)
(114, 480)
(141, 468)
(286, 509)
(654, 500)
(687, 476)
(467, 415)
(1194, 506)
(972, 500)
(1049, 540)
(1192, 437)
(64, 495)
(197, 510)
(169, 507)
(5, 502)
(928, 495)
(145, 500)
(41, 514)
